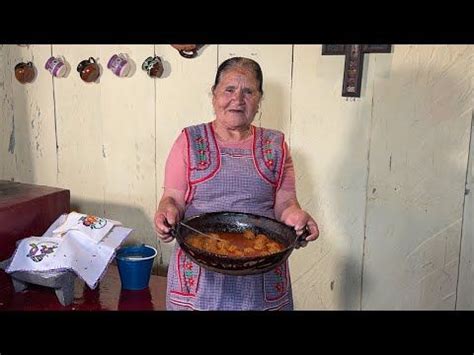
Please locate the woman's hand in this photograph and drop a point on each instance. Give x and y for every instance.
(164, 220)
(170, 212)
(301, 220)
(289, 211)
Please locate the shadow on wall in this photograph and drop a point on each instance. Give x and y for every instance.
(16, 123)
(334, 283)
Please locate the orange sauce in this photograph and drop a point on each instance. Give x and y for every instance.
(246, 244)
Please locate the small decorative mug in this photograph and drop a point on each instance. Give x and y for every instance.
(153, 66)
(24, 72)
(89, 70)
(56, 66)
(119, 65)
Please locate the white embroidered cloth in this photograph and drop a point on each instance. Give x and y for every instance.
(93, 227)
(73, 250)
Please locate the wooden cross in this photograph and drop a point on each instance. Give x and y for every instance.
(354, 63)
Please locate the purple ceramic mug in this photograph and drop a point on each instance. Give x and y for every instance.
(119, 65)
(55, 66)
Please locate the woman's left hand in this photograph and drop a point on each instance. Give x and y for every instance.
(301, 220)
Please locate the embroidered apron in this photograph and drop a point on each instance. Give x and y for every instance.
(236, 180)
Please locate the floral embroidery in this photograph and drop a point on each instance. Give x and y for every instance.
(92, 221)
(36, 254)
(268, 153)
(189, 280)
(276, 283)
(188, 274)
(279, 285)
(202, 148)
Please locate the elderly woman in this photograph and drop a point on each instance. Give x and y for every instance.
(230, 165)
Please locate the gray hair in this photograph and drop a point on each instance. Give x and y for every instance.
(240, 62)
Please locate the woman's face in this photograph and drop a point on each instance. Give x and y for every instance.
(236, 98)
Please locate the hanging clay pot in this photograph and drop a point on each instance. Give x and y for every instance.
(24, 72)
(187, 50)
(89, 70)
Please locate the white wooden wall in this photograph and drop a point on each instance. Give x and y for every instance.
(465, 291)
(418, 159)
(384, 175)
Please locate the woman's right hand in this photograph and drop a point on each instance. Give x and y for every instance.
(164, 220)
(169, 213)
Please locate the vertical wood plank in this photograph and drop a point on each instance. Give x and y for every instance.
(418, 157)
(127, 109)
(7, 119)
(465, 289)
(33, 112)
(329, 144)
(80, 124)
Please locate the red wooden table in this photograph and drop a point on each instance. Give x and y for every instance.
(28, 210)
(107, 296)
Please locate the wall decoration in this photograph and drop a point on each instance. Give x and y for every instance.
(56, 66)
(89, 70)
(153, 66)
(187, 50)
(25, 72)
(354, 63)
(119, 65)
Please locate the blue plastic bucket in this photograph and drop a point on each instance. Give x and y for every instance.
(135, 264)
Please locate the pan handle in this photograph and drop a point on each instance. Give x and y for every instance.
(172, 228)
(300, 240)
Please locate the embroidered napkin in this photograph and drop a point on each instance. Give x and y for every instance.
(71, 250)
(93, 227)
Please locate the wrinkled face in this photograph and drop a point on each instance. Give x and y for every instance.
(236, 98)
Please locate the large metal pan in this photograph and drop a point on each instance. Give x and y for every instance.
(237, 222)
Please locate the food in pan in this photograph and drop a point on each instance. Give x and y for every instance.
(234, 244)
